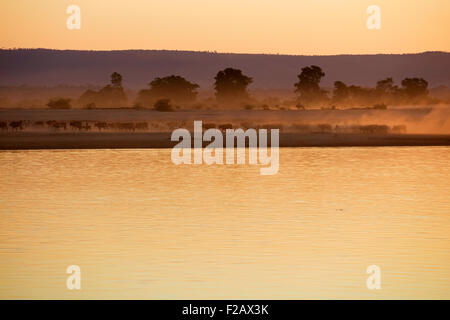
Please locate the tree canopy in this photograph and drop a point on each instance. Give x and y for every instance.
(308, 85)
(413, 90)
(231, 85)
(59, 103)
(173, 88)
(116, 80)
(415, 87)
(112, 95)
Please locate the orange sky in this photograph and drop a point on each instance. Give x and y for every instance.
(250, 26)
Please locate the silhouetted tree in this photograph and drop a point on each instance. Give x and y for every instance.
(231, 85)
(163, 105)
(116, 80)
(175, 88)
(352, 95)
(386, 87)
(112, 95)
(59, 103)
(415, 87)
(360, 93)
(308, 86)
(386, 91)
(340, 92)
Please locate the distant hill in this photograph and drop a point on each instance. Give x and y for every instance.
(139, 67)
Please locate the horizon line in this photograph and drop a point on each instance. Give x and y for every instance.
(223, 53)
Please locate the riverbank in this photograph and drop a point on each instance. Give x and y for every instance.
(107, 140)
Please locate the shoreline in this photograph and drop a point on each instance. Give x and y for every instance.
(161, 140)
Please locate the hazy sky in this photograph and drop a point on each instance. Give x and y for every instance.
(251, 26)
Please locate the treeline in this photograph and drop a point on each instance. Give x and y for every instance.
(231, 90)
(412, 91)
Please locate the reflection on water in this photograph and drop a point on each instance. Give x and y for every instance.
(141, 227)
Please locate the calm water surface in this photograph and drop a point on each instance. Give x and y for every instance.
(141, 227)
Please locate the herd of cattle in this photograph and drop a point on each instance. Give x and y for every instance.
(101, 126)
(73, 125)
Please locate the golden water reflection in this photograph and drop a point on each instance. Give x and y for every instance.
(141, 227)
